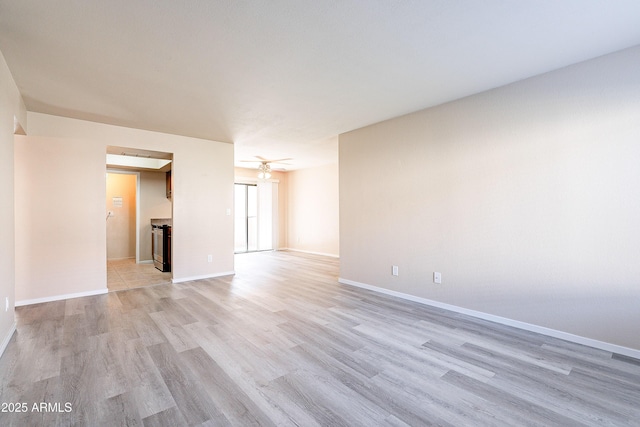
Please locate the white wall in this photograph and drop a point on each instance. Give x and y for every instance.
(11, 106)
(525, 197)
(59, 263)
(313, 206)
(60, 217)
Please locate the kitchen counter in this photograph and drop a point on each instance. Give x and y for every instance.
(160, 221)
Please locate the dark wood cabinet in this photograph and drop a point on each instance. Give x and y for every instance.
(169, 186)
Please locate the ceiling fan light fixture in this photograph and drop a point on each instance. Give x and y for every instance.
(264, 171)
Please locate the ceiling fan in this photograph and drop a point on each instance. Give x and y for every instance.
(264, 169)
(264, 161)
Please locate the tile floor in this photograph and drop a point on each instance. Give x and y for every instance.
(126, 274)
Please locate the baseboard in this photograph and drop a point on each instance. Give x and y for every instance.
(60, 297)
(309, 252)
(589, 342)
(206, 276)
(146, 261)
(7, 338)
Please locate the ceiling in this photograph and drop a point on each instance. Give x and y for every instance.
(282, 79)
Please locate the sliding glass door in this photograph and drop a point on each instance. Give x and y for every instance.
(256, 216)
(246, 218)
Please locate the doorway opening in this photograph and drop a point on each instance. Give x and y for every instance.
(122, 207)
(138, 192)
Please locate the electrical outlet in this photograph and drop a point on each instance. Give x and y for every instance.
(394, 270)
(209, 258)
(437, 277)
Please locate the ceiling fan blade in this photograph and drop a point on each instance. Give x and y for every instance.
(262, 159)
(280, 160)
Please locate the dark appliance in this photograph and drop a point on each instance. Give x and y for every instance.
(161, 246)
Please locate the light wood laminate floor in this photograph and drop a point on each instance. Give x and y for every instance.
(282, 343)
